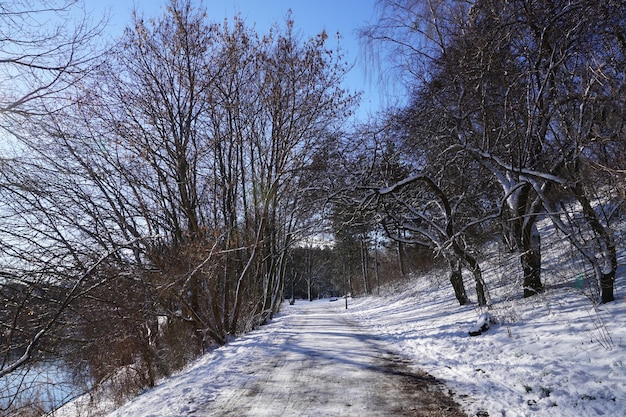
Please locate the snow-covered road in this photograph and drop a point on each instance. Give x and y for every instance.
(312, 360)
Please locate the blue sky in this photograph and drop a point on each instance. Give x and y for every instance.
(310, 17)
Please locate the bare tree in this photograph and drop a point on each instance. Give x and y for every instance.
(179, 173)
(559, 50)
(429, 218)
(46, 47)
(446, 59)
(519, 83)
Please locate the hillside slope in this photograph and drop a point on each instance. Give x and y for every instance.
(554, 354)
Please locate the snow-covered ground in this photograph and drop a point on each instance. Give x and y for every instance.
(553, 355)
(550, 355)
(312, 360)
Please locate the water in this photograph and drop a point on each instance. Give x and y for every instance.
(45, 386)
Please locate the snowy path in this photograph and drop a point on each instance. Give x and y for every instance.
(312, 360)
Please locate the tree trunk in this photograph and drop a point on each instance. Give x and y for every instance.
(605, 262)
(456, 279)
(400, 248)
(364, 267)
(607, 278)
(474, 266)
(376, 269)
(531, 259)
(481, 288)
(241, 284)
(528, 241)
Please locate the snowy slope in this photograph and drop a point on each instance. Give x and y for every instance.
(556, 354)
(553, 355)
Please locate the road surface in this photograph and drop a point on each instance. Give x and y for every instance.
(323, 364)
(313, 360)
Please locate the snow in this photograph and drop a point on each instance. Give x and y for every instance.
(482, 325)
(552, 354)
(313, 359)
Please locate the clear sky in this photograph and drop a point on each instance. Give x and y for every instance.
(310, 17)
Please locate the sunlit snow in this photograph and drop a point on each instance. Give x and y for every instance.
(555, 354)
